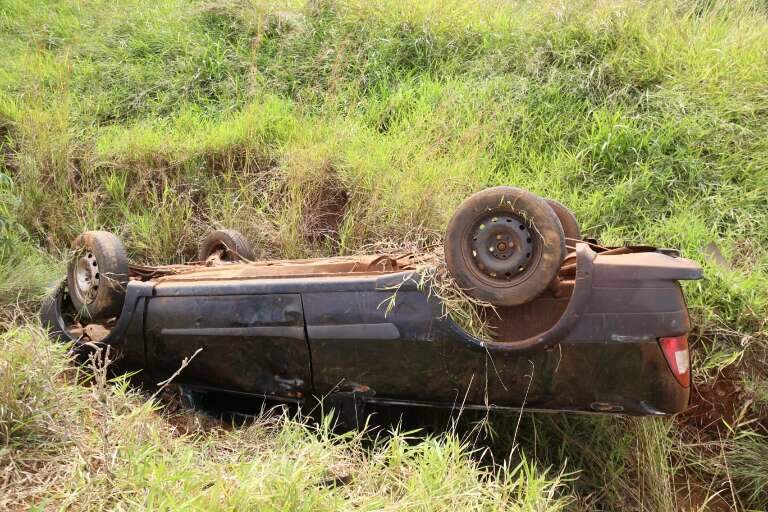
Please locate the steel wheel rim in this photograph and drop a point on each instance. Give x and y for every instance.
(501, 248)
(87, 277)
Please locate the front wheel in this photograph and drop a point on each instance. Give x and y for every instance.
(97, 275)
(504, 245)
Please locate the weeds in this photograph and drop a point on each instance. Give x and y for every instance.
(469, 313)
(104, 445)
(371, 121)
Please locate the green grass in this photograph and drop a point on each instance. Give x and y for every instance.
(159, 120)
(75, 447)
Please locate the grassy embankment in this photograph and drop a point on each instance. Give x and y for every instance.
(316, 129)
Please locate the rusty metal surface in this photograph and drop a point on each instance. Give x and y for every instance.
(316, 267)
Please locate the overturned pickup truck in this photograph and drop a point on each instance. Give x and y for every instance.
(577, 326)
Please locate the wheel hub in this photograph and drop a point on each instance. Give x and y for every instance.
(225, 255)
(87, 277)
(502, 246)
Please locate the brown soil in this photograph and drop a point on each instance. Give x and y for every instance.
(693, 496)
(713, 403)
(718, 403)
(323, 214)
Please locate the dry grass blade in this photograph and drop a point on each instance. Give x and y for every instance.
(433, 277)
(469, 313)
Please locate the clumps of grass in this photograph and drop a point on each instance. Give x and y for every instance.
(620, 463)
(471, 314)
(433, 278)
(734, 465)
(32, 377)
(25, 269)
(314, 200)
(101, 445)
(158, 121)
(745, 459)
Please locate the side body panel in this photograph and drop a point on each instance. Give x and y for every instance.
(251, 343)
(607, 360)
(599, 366)
(366, 341)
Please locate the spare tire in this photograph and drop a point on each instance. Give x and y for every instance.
(232, 245)
(504, 245)
(97, 275)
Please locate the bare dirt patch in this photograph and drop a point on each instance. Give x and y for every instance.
(714, 403)
(324, 208)
(718, 405)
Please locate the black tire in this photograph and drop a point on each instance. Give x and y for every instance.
(97, 275)
(567, 220)
(50, 310)
(233, 245)
(504, 245)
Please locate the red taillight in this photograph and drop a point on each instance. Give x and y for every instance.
(675, 350)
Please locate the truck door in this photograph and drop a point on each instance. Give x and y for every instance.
(250, 343)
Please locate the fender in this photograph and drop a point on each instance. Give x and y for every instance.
(52, 319)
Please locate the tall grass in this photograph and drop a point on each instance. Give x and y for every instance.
(74, 447)
(317, 128)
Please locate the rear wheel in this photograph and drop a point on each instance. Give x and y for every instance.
(567, 220)
(504, 245)
(97, 275)
(230, 245)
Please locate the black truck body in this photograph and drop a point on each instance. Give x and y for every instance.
(384, 338)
